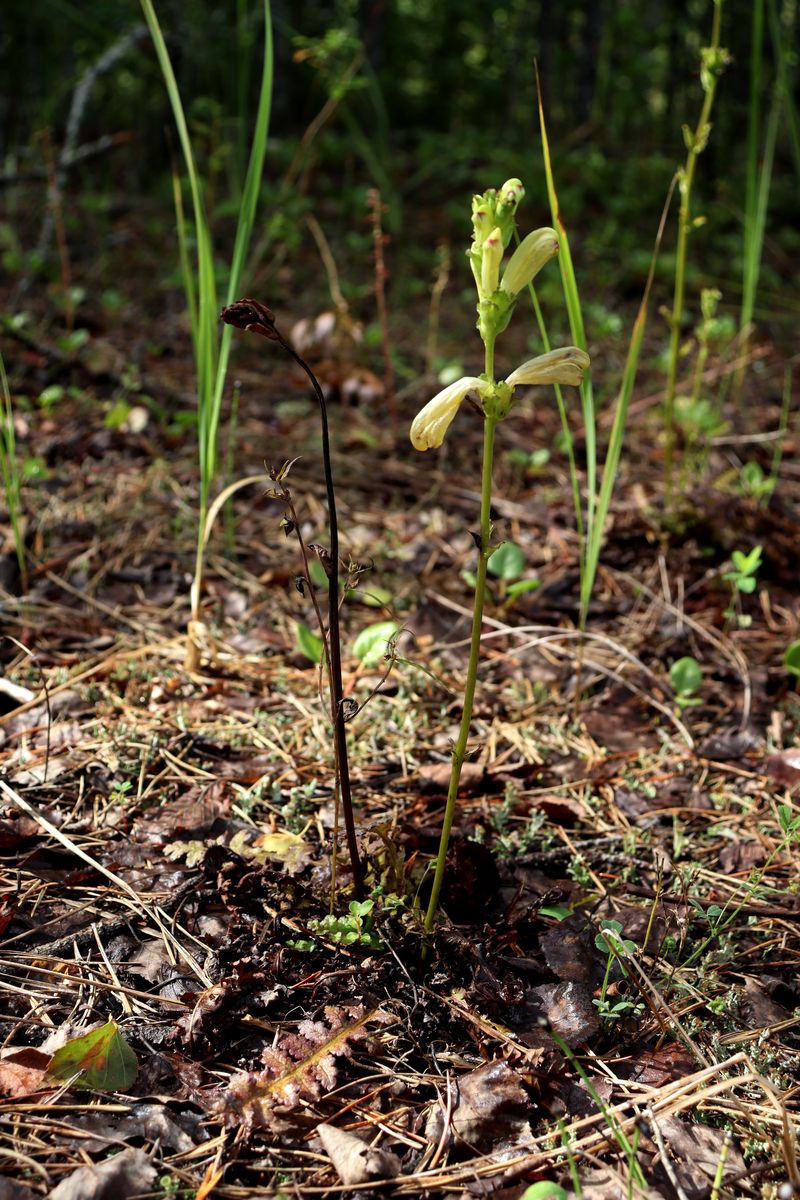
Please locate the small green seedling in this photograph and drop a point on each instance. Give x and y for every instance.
(686, 678)
(544, 1190)
(529, 462)
(610, 941)
(754, 483)
(742, 580)
(354, 928)
(506, 564)
(791, 660)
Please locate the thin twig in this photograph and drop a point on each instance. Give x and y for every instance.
(254, 317)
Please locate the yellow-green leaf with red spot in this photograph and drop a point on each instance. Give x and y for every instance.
(100, 1060)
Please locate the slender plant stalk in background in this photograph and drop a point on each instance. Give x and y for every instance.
(713, 60)
(752, 244)
(782, 29)
(758, 184)
(379, 240)
(575, 314)
(493, 227)
(590, 529)
(210, 352)
(9, 469)
(254, 317)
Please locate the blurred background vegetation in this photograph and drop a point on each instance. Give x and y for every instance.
(427, 99)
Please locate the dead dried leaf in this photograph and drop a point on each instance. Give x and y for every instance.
(353, 1160)
(784, 767)
(695, 1151)
(570, 952)
(491, 1110)
(152, 1122)
(11, 1190)
(434, 778)
(605, 1185)
(729, 745)
(22, 1071)
(741, 856)
(569, 1009)
(119, 1178)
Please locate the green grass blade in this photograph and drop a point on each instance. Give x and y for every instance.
(575, 483)
(187, 275)
(247, 212)
(751, 257)
(617, 436)
(575, 314)
(206, 313)
(759, 178)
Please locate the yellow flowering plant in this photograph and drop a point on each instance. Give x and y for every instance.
(493, 223)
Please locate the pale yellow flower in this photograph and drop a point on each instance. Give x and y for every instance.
(432, 422)
(558, 366)
(528, 259)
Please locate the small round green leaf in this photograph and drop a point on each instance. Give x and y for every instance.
(370, 645)
(686, 676)
(507, 562)
(544, 1191)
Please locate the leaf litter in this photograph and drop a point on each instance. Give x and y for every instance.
(273, 1057)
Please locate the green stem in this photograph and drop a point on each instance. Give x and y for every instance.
(698, 140)
(460, 748)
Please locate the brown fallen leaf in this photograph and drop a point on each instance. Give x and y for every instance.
(695, 1151)
(606, 1185)
(741, 856)
(302, 1066)
(22, 1072)
(353, 1160)
(784, 767)
(570, 952)
(119, 1178)
(569, 1009)
(759, 1008)
(10, 1189)
(731, 744)
(491, 1110)
(434, 778)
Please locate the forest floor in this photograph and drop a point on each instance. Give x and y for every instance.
(165, 841)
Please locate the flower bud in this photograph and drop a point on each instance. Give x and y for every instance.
(528, 259)
(432, 422)
(558, 366)
(511, 193)
(483, 221)
(491, 257)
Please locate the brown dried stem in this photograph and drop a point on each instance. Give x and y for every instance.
(254, 317)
